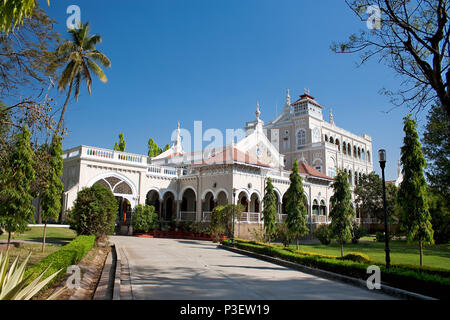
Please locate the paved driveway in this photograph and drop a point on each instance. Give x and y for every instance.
(196, 270)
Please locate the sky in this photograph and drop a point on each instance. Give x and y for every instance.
(211, 60)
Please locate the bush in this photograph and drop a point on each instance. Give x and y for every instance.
(379, 236)
(144, 218)
(68, 255)
(94, 212)
(283, 234)
(323, 233)
(357, 232)
(356, 257)
(431, 282)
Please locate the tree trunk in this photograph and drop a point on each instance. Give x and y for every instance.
(421, 253)
(342, 248)
(296, 242)
(61, 118)
(9, 240)
(43, 238)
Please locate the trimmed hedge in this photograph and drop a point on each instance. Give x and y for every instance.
(68, 255)
(423, 281)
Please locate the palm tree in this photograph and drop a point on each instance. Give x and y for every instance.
(80, 58)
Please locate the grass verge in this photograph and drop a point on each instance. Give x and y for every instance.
(427, 281)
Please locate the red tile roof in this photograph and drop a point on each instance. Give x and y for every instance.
(310, 171)
(228, 156)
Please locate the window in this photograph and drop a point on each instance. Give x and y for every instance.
(368, 156)
(319, 168)
(301, 137)
(332, 172)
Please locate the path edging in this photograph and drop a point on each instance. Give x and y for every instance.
(396, 292)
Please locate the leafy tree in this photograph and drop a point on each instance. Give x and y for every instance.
(154, 150)
(270, 211)
(81, 58)
(16, 208)
(144, 218)
(222, 220)
(94, 211)
(13, 12)
(50, 198)
(440, 216)
(413, 40)
(121, 145)
(296, 210)
(341, 213)
(369, 197)
(436, 140)
(413, 206)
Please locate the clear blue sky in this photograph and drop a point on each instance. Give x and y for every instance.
(211, 60)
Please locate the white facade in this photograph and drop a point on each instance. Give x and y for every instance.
(187, 186)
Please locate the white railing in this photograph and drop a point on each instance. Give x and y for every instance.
(251, 217)
(206, 216)
(187, 216)
(105, 154)
(371, 221)
(282, 217)
(319, 219)
(161, 171)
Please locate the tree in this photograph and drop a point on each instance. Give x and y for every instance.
(94, 211)
(120, 146)
(154, 150)
(413, 206)
(50, 198)
(222, 220)
(413, 40)
(369, 197)
(436, 140)
(13, 12)
(440, 216)
(16, 208)
(270, 211)
(144, 218)
(296, 210)
(341, 213)
(81, 58)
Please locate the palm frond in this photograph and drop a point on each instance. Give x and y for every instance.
(100, 58)
(97, 70)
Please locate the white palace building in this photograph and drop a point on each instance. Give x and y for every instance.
(187, 186)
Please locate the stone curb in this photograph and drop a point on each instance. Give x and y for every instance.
(399, 293)
(116, 290)
(103, 290)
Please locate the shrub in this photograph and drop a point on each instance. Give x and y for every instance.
(323, 233)
(144, 218)
(379, 236)
(283, 234)
(94, 212)
(356, 257)
(68, 255)
(357, 232)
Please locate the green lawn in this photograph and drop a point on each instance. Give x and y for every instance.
(437, 256)
(35, 234)
(37, 255)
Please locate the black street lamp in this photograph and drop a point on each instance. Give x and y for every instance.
(382, 158)
(234, 209)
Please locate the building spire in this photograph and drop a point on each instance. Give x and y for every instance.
(258, 112)
(288, 98)
(331, 116)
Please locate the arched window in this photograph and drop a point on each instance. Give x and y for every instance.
(349, 149)
(338, 144)
(355, 152)
(344, 147)
(350, 176)
(326, 138)
(323, 208)
(316, 209)
(301, 137)
(363, 155)
(331, 140)
(359, 153)
(368, 156)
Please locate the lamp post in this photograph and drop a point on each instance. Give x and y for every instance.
(234, 209)
(382, 158)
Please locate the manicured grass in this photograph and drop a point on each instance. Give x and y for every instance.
(437, 256)
(36, 252)
(35, 234)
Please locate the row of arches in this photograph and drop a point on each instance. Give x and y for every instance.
(358, 152)
(353, 177)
